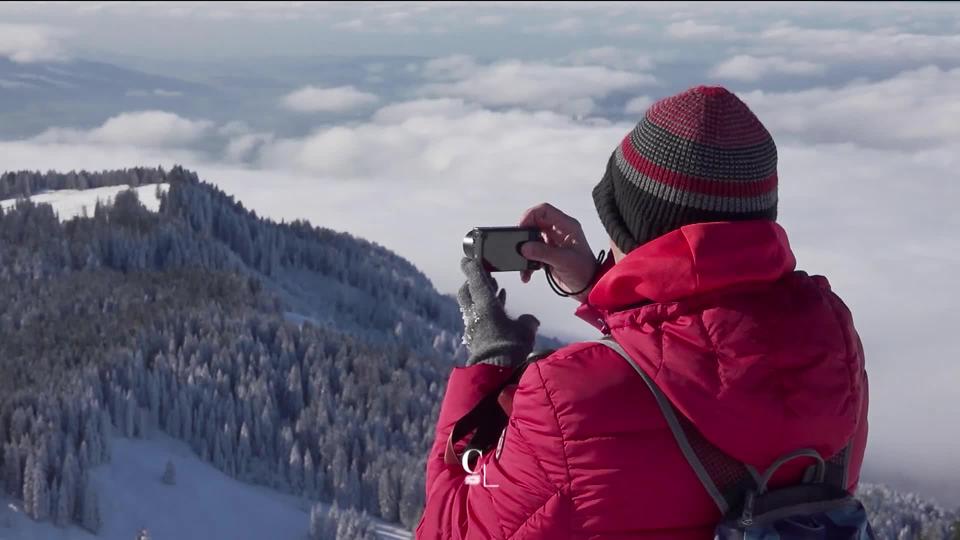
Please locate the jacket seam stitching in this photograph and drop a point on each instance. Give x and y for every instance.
(563, 441)
(556, 417)
(838, 315)
(519, 434)
(539, 509)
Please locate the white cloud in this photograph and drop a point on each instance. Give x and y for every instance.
(245, 146)
(691, 29)
(535, 85)
(489, 20)
(852, 45)
(11, 84)
(352, 24)
(397, 113)
(156, 92)
(788, 40)
(423, 139)
(744, 67)
(632, 29)
(916, 109)
(567, 25)
(455, 66)
(141, 128)
(24, 43)
(47, 154)
(614, 57)
(638, 105)
(336, 99)
(242, 141)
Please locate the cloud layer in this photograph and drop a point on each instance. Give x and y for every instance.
(570, 89)
(914, 109)
(25, 43)
(138, 129)
(744, 67)
(337, 99)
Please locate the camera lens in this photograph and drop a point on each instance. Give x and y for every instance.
(469, 244)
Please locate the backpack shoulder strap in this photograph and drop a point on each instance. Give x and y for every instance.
(725, 479)
(837, 468)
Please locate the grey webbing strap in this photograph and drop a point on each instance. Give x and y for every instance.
(821, 466)
(671, 417)
(837, 468)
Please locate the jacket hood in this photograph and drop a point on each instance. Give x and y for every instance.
(762, 359)
(695, 259)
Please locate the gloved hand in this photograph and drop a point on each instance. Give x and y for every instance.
(490, 335)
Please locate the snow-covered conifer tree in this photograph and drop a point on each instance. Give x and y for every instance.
(169, 474)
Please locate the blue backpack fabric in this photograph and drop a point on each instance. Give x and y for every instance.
(818, 508)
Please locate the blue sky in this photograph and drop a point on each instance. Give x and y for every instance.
(410, 123)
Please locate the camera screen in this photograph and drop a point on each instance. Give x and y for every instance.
(501, 248)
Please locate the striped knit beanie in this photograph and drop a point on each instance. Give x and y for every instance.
(696, 157)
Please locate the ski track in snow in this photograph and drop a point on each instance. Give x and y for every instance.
(69, 203)
(205, 504)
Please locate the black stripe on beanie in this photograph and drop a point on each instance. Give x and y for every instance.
(633, 217)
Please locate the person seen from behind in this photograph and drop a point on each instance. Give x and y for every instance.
(748, 359)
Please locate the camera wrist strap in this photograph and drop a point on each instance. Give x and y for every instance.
(558, 290)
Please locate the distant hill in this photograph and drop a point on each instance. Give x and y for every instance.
(38, 95)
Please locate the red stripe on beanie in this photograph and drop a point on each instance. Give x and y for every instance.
(683, 182)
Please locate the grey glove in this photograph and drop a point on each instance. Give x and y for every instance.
(490, 335)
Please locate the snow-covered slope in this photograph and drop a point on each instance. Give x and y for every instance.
(204, 504)
(69, 203)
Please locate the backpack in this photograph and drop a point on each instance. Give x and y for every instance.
(818, 508)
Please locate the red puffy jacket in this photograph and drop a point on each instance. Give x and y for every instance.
(762, 359)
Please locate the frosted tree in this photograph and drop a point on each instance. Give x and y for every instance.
(153, 398)
(389, 495)
(169, 474)
(69, 487)
(411, 498)
(351, 495)
(321, 483)
(28, 484)
(63, 513)
(41, 492)
(244, 452)
(353, 525)
(318, 521)
(173, 422)
(296, 470)
(104, 432)
(309, 474)
(227, 447)
(90, 509)
(12, 472)
(295, 390)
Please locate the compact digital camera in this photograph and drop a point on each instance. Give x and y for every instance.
(499, 248)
